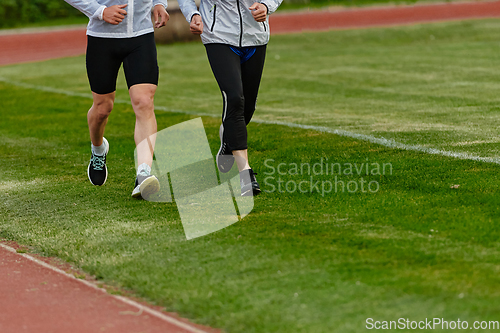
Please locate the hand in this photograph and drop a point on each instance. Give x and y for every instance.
(114, 14)
(196, 25)
(160, 15)
(259, 11)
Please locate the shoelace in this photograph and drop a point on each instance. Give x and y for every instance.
(98, 162)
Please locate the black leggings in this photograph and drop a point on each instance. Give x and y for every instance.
(239, 84)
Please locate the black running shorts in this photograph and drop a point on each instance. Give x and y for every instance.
(105, 56)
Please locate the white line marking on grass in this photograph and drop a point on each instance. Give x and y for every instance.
(130, 302)
(390, 143)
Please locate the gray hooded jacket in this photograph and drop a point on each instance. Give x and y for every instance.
(137, 22)
(230, 21)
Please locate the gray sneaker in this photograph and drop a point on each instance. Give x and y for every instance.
(145, 186)
(248, 183)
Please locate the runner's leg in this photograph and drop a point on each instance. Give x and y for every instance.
(227, 71)
(142, 97)
(142, 73)
(103, 62)
(251, 73)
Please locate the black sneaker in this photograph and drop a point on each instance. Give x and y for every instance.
(248, 183)
(224, 158)
(145, 186)
(97, 170)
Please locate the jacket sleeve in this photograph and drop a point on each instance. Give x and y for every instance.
(188, 8)
(271, 5)
(91, 8)
(160, 2)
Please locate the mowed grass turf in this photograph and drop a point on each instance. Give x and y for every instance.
(300, 262)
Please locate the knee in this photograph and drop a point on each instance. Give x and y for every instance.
(143, 103)
(102, 108)
(143, 106)
(235, 102)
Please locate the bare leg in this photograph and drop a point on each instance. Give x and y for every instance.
(97, 117)
(142, 97)
(241, 157)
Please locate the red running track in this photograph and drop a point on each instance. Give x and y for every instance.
(37, 46)
(35, 298)
(381, 16)
(26, 47)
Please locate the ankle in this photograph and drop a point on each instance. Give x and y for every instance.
(144, 169)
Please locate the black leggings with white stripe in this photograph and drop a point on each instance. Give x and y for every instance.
(239, 84)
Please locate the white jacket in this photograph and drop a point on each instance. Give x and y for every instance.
(137, 22)
(230, 21)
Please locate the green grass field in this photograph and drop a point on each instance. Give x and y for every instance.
(300, 262)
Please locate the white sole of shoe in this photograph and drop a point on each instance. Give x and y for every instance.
(147, 188)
